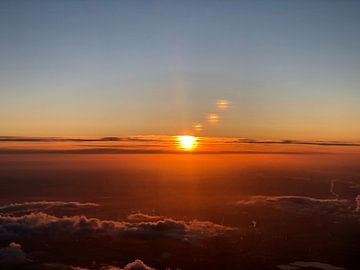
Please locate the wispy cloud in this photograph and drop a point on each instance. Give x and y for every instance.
(25, 207)
(84, 139)
(301, 204)
(299, 142)
(298, 265)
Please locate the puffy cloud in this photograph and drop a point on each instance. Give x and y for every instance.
(136, 265)
(27, 207)
(12, 227)
(357, 203)
(12, 256)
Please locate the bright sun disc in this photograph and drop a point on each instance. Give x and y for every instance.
(187, 142)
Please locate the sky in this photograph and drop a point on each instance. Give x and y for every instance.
(288, 68)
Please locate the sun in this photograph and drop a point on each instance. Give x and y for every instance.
(187, 142)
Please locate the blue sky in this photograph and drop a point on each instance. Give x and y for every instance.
(289, 68)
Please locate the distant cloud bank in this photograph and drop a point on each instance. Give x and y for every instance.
(25, 207)
(163, 145)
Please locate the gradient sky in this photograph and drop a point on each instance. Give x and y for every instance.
(289, 68)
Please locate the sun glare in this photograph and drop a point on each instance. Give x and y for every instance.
(187, 142)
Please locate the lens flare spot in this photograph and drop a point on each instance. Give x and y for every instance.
(198, 127)
(222, 104)
(187, 142)
(213, 118)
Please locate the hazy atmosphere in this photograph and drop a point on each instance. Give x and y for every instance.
(179, 135)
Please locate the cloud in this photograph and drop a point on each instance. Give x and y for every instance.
(301, 203)
(136, 265)
(319, 143)
(358, 202)
(149, 145)
(167, 139)
(86, 151)
(138, 217)
(12, 256)
(118, 150)
(292, 200)
(305, 265)
(84, 139)
(26, 207)
(36, 224)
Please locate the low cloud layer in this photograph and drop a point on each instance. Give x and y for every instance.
(159, 145)
(12, 227)
(167, 138)
(39, 225)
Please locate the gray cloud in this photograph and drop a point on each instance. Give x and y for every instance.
(302, 203)
(12, 256)
(151, 145)
(166, 138)
(301, 265)
(35, 224)
(26, 207)
(357, 203)
(140, 217)
(119, 150)
(320, 143)
(64, 139)
(136, 265)
(292, 200)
